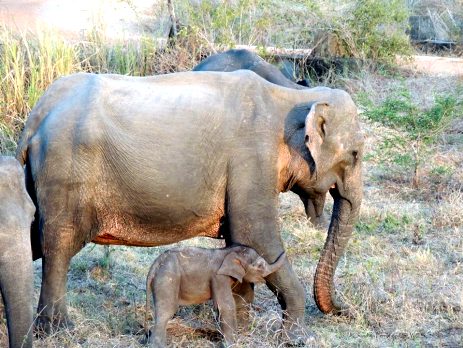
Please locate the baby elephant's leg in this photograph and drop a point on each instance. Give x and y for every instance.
(223, 298)
(165, 300)
(243, 294)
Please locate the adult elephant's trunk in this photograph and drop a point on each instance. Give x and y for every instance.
(16, 290)
(345, 213)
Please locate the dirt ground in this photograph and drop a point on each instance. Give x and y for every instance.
(437, 66)
(74, 19)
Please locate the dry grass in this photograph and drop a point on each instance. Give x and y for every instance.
(30, 62)
(402, 274)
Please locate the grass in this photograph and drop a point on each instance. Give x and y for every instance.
(402, 273)
(29, 63)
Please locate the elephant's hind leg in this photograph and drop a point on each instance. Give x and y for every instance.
(59, 249)
(165, 289)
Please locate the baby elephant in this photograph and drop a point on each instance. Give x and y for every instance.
(185, 276)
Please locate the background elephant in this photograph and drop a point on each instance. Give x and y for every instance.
(185, 276)
(236, 59)
(149, 161)
(16, 214)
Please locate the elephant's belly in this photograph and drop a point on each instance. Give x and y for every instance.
(123, 229)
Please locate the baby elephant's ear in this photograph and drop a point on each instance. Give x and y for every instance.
(231, 266)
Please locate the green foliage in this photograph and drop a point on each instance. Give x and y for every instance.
(411, 129)
(367, 29)
(373, 30)
(226, 23)
(378, 29)
(390, 223)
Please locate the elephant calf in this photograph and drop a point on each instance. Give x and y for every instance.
(16, 215)
(187, 276)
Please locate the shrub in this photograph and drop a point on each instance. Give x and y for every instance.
(366, 29)
(411, 130)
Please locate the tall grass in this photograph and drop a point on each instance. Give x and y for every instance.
(29, 63)
(27, 67)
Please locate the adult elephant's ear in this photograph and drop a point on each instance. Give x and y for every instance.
(315, 129)
(232, 267)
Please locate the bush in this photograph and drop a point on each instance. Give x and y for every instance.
(411, 130)
(366, 29)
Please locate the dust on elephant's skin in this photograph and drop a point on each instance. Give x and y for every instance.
(236, 59)
(154, 160)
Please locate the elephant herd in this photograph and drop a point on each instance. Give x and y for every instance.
(149, 161)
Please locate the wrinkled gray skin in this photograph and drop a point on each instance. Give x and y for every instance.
(149, 161)
(16, 214)
(187, 276)
(236, 59)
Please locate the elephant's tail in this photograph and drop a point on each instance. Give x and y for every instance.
(34, 120)
(21, 150)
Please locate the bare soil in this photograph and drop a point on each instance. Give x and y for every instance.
(74, 19)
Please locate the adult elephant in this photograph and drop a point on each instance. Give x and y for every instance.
(16, 214)
(149, 161)
(236, 59)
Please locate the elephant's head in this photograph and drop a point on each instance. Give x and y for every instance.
(243, 263)
(332, 153)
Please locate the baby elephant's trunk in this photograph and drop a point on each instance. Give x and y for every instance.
(276, 265)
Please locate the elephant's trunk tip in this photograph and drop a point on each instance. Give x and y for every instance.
(324, 302)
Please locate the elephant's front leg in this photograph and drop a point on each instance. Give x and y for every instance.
(243, 293)
(223, 299)
(289, 291)
(314, 209)
(291, 296)
(253, 221)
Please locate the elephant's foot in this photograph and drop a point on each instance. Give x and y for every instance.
(320, 222)
(45, 325)
(243, 318)
(294, 334)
